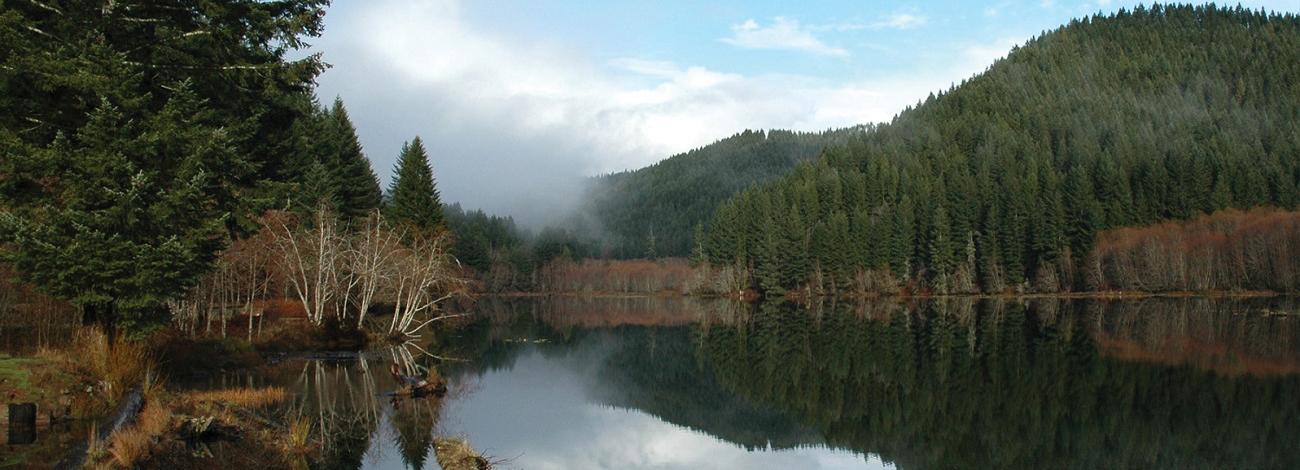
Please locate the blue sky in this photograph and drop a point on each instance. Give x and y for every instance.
(517, 100)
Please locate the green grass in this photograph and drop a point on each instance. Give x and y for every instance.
(16, 386)
(13, 375)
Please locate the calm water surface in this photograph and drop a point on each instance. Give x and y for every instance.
(685, 384)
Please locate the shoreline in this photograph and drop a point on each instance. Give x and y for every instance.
(1095, 295)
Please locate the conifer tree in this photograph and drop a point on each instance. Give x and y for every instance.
(130, 148)
(943, 247)
(355, 186)
(1083, 213)
(317, 188)
(1032, 158)
(413, 194)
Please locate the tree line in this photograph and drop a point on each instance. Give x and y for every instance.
(1004, 181)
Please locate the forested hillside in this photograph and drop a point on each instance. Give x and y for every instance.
(1002, 182)
(653, 211)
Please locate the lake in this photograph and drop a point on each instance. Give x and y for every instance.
(680, 383)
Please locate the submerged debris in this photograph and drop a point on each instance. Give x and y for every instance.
(419, 387)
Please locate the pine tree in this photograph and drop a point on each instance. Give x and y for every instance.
(902, 238)
(697, 245)
(133, 149)
(943, 248)
(1083, 214)
(355, 186)
(121, 242)
(413, 195)
(317, 188)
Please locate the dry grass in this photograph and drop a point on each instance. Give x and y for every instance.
(130, 447)
(245, 396)
(298, 441)
(88, 362)
(155, 419)
(456, 454)
(117, 366)
(133, 445)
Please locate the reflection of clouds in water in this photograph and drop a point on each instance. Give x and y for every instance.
(540, 415)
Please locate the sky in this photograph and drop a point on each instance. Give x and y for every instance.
(517, 101)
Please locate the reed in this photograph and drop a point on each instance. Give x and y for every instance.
(298, 442)
(118, 364)
(128, 447)
(245, 396)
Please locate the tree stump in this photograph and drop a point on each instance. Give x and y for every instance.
(22, 423)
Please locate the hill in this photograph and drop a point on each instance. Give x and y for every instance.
(1004, 181)
(653, 211)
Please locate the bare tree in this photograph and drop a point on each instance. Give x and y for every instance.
(310, 259)
(426, 275)
(370, 257)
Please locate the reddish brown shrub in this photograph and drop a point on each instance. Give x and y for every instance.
(1257, 249)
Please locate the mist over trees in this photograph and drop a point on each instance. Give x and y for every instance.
(653, 211)
(1003, 182)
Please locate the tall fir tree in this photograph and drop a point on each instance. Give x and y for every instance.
(131, 149)
(355, 186)
(413, 194)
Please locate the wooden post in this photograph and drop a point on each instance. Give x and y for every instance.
(22, 423)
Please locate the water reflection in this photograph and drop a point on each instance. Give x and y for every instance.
(682, 383)
(958, 384)
(943, 384)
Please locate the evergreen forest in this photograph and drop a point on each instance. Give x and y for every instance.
(1004, 181)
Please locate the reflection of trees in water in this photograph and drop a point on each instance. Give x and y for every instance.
(565, 313)
(414, 421)
(1215, 335)
(348, 400)
(341, 399)
(955, 384)
(656, 370)
(649, 368)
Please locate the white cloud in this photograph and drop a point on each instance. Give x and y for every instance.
(977, 57)
(512, 126)
(783, 34)
(900, 21)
